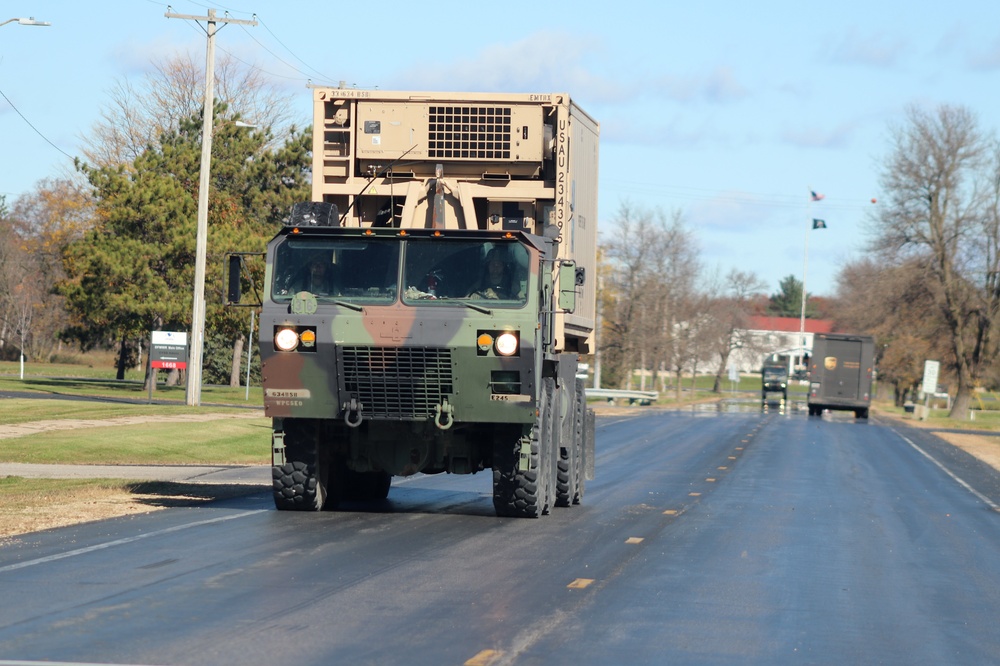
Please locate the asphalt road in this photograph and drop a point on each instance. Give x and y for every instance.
(707, 538)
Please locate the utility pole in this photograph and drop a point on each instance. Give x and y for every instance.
(201, 245)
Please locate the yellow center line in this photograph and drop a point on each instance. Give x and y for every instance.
(634, 540)
(580, 583)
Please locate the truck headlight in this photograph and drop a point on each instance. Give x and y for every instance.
(286, 339)
(506, 344)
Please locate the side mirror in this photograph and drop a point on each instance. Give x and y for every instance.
(567, 286)
(234, 291)
(237, 271)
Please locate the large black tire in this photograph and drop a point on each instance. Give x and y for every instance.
(569, 466)
(580, 440)
(524, 493)
(303, 482)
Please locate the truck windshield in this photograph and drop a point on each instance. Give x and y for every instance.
(358, 270)
(477, 271)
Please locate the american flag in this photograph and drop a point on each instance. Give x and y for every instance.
(816, 196)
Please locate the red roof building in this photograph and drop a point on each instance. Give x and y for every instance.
(790, 325)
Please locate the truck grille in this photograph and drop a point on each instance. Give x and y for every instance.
(397, 382)
(473, 132)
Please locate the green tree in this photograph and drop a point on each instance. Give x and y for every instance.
(787, 302)
(134, 271)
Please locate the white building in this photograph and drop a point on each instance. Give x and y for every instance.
(778, 335)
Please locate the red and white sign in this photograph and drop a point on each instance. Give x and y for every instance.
(168, 350)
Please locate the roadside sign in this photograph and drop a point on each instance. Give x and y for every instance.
(168, 350)
(930, 382)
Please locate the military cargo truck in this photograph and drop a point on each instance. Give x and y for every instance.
(840, 373)
(427, 310)
(774, 376)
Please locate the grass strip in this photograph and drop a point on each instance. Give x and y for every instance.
(244, 441)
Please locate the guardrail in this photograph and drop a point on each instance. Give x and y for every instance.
(641, 397)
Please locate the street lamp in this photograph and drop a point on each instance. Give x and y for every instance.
(26, 21)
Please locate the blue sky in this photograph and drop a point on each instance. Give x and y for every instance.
(729, 112)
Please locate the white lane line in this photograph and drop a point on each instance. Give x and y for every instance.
(53, 663)
(120, 542)
(981, 497)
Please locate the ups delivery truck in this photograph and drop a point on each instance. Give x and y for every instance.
(840, 373)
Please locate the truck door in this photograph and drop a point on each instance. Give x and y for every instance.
(843, 369)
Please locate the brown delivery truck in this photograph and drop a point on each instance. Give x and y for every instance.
(840, 373)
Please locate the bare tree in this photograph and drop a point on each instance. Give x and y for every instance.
(650, 270)
(942, 179)
(625, 267)
(38, 227)
(896, 304)
(730, 313)
(679, 305)
(137, 115)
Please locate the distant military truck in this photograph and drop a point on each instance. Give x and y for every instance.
(427, 310)
(841, 369)
(774, 376)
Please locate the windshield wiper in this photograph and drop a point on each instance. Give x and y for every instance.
(478, 308)
(349, 306)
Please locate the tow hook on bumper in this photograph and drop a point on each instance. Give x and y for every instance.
(352, 414)
(444, 410)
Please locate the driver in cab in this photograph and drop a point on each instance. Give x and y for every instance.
(497, 280)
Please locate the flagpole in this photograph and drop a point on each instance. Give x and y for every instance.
(805, 268)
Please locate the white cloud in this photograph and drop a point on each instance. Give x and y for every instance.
(640, 130)
(732, 212)
(544, 62)
(718, 86)
(988, 59)
(840, 136)
(876, 50)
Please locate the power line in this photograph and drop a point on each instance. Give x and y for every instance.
(35, 129)
(270, 32)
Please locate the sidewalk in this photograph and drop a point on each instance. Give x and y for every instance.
(208, 474)
(10, 430)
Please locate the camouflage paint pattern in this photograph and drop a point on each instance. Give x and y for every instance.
(408, 359)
